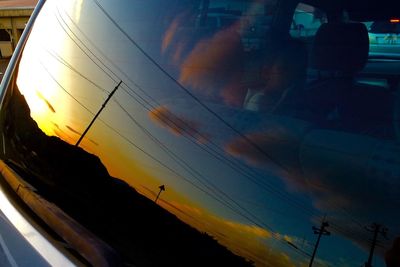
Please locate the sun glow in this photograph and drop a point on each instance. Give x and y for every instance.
(39, 67)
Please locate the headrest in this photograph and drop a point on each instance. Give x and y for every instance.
(340, 47)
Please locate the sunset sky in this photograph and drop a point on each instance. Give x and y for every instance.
(152, 133)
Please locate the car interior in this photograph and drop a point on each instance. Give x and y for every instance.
(344, 82)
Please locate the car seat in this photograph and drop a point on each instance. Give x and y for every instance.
(334, 98)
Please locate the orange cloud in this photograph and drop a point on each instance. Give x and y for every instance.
(169, 34)
(215, 66)
(249, 229)
(188, 208)
(177, 125)
(176, 39)
(178, 53)
(250, 241)
(243, 239)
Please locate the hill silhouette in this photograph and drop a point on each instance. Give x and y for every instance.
(142, 233)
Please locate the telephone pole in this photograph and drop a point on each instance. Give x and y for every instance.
(162, 188)
(319, 231)
(98, 113)
(376, 229)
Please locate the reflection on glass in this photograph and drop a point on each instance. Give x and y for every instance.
(212, 105)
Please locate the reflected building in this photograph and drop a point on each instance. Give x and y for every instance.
(13, 17)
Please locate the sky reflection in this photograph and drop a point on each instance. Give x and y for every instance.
(255, 181)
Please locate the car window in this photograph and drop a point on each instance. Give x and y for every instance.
(306, 21)
(190, 133)
(391, 26)
(383, 37)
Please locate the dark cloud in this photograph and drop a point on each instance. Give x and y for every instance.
(62, 134)
(78, 133)
(177, 125)
(50, 106)
(73, 130)
(93, 142)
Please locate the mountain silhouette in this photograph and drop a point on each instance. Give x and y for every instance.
(142, 233)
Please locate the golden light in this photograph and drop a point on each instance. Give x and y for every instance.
(38, 70)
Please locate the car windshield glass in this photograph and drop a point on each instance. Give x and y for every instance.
(383, 38)
(212, 132)
(392, 26)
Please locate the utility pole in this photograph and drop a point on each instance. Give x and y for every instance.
(162, 188)
(98, 113)
(376, 229)
(319, 231)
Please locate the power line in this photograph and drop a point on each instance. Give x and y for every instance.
(262, 225)
(255, 220)
(257, 181)
(223, 157)
(167, 167)
(64, 25)
(62, 87)
(127, 139)
(185, 165)
(143, 91)
(290, 200)
(234, 164)
(69, 66)
(236, 211)
(183, 88)
(222, 120)
(312, 212)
